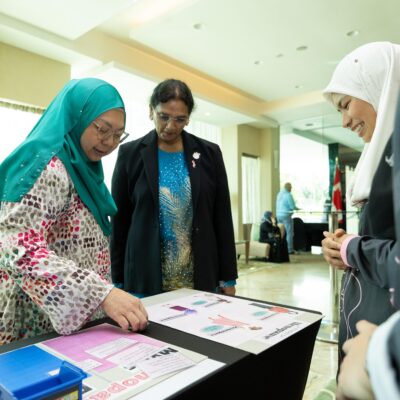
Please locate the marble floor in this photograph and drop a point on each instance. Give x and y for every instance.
(304, 282)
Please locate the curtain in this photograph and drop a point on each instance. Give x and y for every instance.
(17, 121)
(206, 131)
(250, 190)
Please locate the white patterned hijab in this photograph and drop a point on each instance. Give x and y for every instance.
(370, 73)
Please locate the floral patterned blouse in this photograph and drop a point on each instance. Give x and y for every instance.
(54, 260)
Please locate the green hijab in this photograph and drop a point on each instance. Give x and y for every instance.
(58, 133)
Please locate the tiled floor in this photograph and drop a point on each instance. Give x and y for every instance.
(304, 282)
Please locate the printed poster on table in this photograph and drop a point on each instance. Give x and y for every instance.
(229, 320)
(120, 363)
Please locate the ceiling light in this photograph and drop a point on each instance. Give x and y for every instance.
(199, 26)
(302, 48)
(207, 114)
(258, 62)
(352, 33)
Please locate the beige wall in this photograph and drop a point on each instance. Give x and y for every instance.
(261, 143)
(29, 78)
(249, 140)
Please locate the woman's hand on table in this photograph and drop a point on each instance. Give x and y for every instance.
(125, 309)
(229, 290)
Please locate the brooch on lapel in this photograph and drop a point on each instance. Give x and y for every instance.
(389, 160)
(195, 156)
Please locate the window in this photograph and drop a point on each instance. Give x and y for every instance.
(17, 121)
(305, 164)
(206, 131)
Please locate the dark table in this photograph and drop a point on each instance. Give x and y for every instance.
(280, 372)
(307, 234)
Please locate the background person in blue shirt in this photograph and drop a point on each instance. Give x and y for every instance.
(285, 206)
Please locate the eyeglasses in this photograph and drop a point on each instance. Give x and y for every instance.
(104, 132)
(164, 118)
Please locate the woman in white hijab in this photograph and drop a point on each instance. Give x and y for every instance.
(371, 368)
(364, 88)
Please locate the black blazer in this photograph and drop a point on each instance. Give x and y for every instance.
(365, 286)
(135, 239)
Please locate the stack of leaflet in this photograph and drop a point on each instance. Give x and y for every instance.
(31, 373)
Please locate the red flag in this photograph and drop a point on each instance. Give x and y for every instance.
(337, 204)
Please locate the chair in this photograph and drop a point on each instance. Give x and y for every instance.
(251, 232)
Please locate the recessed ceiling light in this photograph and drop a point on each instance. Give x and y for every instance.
(352, 33)
(302, 48)
(207, 114)
(258, 62)
(298, 86)
(279, 55)
(199, 26)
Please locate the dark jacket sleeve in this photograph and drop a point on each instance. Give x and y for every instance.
(367, 253)
(370, 256)
(135, 241)
(121, 221)
(223, 223)
(213, 243)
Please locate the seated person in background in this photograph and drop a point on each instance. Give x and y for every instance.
(271, 233)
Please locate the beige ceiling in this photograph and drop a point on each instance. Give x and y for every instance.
(240, 57)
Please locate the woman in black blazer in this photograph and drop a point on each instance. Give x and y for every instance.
(174, 225)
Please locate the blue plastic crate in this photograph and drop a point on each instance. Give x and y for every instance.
(31, 373)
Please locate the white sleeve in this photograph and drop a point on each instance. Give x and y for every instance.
(379, 365)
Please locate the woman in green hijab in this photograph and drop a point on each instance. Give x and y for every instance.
(55, 219)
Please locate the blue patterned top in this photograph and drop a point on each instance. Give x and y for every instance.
(176, 213)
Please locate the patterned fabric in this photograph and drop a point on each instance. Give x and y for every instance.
(176, 216)
(54, 260)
